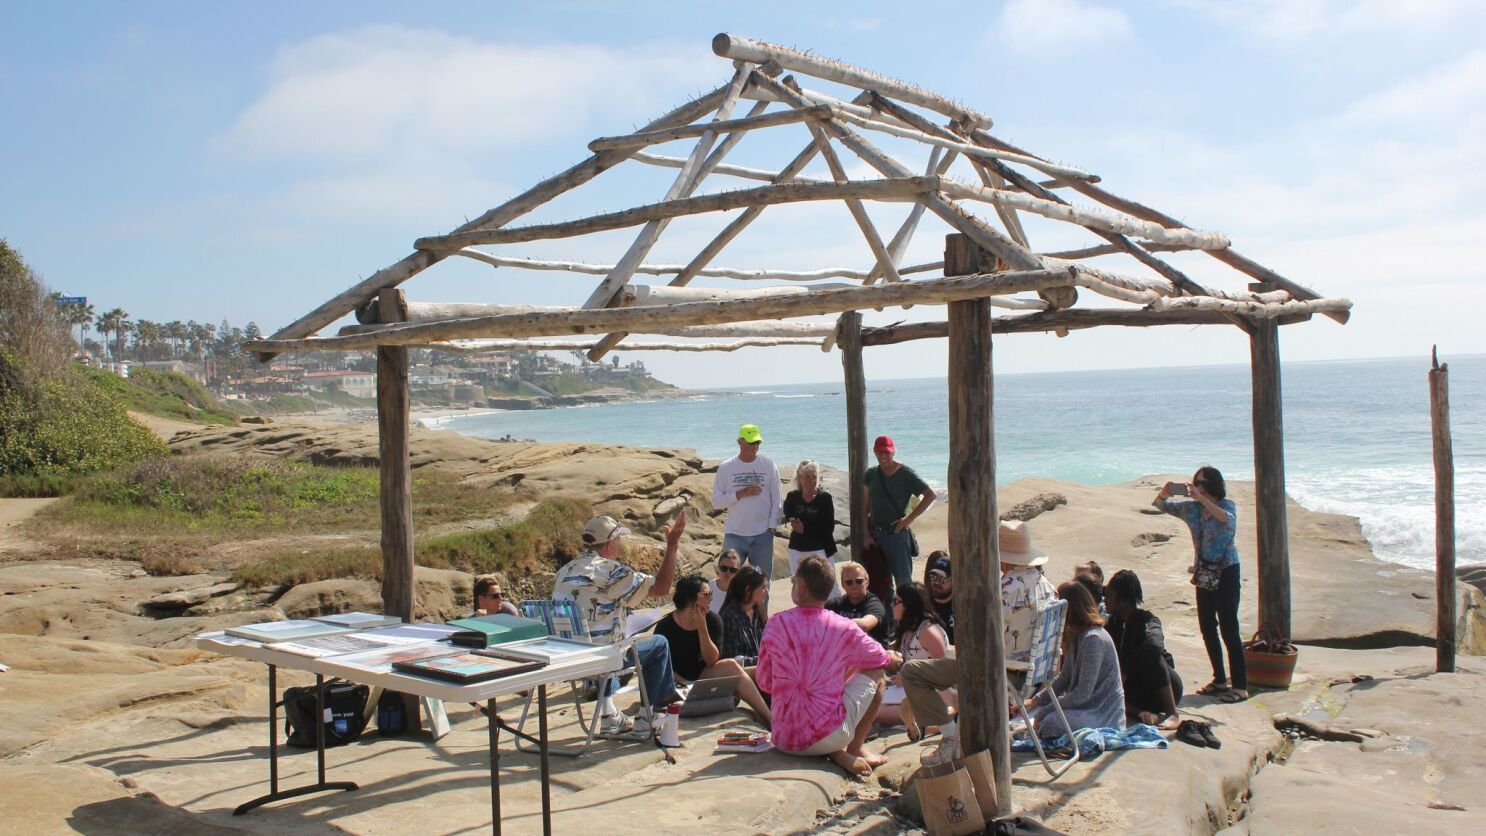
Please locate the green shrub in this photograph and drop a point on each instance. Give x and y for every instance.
(232, 488)
(167, 394)
(61, 426)
(546, 539)
(308, 567)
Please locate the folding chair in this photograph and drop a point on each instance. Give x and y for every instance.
(564, 621)
(1040, 667)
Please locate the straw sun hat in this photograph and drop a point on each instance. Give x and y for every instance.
(1015, 539)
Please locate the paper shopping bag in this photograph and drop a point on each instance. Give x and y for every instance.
(983, 777)
(947, 795)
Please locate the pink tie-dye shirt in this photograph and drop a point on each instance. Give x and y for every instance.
(803, 661)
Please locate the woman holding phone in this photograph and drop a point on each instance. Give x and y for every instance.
(1213, 520)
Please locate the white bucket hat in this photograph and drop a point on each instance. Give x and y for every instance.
(1015, 540)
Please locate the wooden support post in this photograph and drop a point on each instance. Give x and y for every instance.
(1444, 515)
(973, 542)
(1269, 476)
(849, 340)
(396, 481)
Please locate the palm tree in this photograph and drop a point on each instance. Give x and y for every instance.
(114, 322)
(81, 316)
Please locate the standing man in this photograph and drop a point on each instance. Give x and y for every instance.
(890, 485)
(604, 590)
(747, 486)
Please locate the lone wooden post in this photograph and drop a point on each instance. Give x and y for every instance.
(396, 481)
(1269, 476)
(1444, 515)
(973, 542)
(849, 340)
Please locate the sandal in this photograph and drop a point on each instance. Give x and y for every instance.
(1233, 695)
(1213, 688)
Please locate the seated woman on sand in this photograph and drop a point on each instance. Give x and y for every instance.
(918, 635)
(1152, 688)
(692, 631)
(744, 615)
(1088, 685)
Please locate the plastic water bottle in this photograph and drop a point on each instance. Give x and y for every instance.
(670, 729)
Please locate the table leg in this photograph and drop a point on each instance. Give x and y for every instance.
(494, 766)
(321, 785)
(546, 783)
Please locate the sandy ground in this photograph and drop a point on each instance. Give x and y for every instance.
(114, 724)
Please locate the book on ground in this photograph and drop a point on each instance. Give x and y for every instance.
(359, 620)
(467, 668)
(744, 742)
(273, 632)
(500, 628)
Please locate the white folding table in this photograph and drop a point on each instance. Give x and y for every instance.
(597, 661)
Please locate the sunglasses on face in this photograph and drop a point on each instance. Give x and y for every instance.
(728, 570)
(854, 581)
(496, 594)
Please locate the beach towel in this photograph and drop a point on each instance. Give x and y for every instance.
(1092, 742)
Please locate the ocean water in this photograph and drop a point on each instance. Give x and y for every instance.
(1357, 433)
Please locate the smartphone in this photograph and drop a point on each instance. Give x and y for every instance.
(1176, 488)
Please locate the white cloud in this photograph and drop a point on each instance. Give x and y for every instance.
(1295, 20)
(1027, 26)
(381, 92)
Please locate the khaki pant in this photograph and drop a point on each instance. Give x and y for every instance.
(923, 679)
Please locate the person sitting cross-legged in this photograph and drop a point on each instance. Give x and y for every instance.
(863, 608)
(693, 632)
(825, 675)
(1152, 688)
(1088, 683)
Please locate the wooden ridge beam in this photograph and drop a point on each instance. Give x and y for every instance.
(647, 319)
(670, 269)
(747, 123)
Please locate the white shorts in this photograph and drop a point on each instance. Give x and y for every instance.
(857, 698)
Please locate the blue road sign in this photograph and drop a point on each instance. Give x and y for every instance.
(72, 300)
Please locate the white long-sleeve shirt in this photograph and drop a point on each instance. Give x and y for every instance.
(750, 515)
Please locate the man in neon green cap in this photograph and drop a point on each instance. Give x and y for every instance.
(747, 486)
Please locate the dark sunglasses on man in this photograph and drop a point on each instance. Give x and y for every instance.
(727, 570)
(854, 581)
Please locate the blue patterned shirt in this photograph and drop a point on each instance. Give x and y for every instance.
(604, 591)
(1212, 539)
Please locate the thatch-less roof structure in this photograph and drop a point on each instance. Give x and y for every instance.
(985, 190)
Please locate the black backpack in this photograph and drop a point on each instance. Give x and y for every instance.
(345, 713)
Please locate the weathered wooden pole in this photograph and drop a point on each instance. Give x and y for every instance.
(1269, 476)
(1444, 515)
(396, 481)
(973, 542)
(849, 340)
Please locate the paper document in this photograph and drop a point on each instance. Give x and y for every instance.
(639, 620)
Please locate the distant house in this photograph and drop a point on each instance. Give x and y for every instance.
(190, 370)
(356, 384)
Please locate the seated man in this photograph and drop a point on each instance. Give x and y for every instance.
(1024, 591)
(604, 590)
(489, 599)
(940, 581)
(824, 673)
(864, 609)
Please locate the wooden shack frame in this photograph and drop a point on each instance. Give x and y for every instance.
(987, 264)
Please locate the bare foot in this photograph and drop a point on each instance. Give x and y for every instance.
(867, 755)
(853, 765)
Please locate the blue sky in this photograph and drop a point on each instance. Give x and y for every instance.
(249, 161)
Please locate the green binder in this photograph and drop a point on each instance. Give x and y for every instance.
(491, 630)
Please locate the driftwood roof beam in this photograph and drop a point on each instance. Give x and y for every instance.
(968, 149)
(747, 123)
(903, 189)
(411, 265)
(734, 228)
(1054, 321)
(858, 211)
(691, 174)
(730, 170)
(1113, 249)
(670, 269)
(747, 49)
(478, 346)
(648, 319)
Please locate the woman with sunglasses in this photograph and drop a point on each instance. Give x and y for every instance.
(727, 569)
(1213, 520)
(918, 635)
(744, 614)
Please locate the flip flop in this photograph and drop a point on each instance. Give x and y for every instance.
(1232, 695)
(1213, 688)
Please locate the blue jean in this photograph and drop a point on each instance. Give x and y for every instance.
(757, 551)
(655, 668)
(898, 549)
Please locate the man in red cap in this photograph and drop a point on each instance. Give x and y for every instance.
(890, 486)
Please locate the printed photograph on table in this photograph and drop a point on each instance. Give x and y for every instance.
(270, 632)
(548, 649)
(336, 645)
(359, 620)
(381, 661)
(466, 667)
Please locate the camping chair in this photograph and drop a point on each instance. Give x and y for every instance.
(564, 621)
(1040, 667)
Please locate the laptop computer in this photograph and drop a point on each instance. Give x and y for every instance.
(710, 696)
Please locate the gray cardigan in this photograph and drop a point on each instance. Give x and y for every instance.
(1088, 688)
